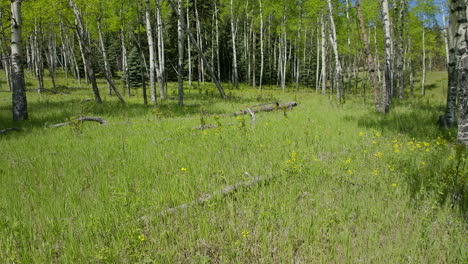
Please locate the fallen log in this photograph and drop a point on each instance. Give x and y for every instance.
(4, 131)
(268, 108)
(220, 193)
(81, 120)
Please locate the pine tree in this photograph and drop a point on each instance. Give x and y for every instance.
(134, 69)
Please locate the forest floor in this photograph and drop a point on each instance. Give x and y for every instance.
(340, 182)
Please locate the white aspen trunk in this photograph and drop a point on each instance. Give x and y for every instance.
(377, 54)
(65, 55)
(423, 78)
(317, 70)
(180, 65)
(218, 64)
(284, 51)
(189, 48)
(201, 70)
(254, 68)
(38, 58)
(298, 61)
(161, 70)
(107, 70)
(446, 33)
(51, 58)
(124, 62)
(348, 56)
(338, 67)
(262, 58)
(234, 49)
(387, 84)
(20, 105)
(324, 57)
(152, 59)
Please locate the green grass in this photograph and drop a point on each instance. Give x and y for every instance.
(348, 185)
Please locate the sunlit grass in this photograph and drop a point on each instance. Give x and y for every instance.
(347, 185)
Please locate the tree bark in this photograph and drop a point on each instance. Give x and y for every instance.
(152, 60)
(324, 57)
(161, 70)
(423, 78)
(338, 67)
(387, 84)
(20, 105)
(459, 27)
(262, 58)
(180, 65)
(449, 119)
(234, 49)
(107, 70)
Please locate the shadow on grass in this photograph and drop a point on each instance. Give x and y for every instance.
(417, 119)
(67, 103)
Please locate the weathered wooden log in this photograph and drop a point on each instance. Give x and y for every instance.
(4, 131)
(82, 119)
(220, 193)
(267, 108)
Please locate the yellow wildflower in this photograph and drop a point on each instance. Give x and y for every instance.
(376, 172)
(245, 233)
(350, 172)
(348, 161)
(183, 169)
(142, 237)
(379, 154)
(394, 185)
(361, 134)
(377, 135)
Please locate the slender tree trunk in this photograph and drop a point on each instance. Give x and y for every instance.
(124, 62)
(234, 49)
(39, 62)
(20, 105)
(262, 58)
(152, 59)
(218, 64)
(324, 57)
(51, 58)
(201, 69)
(338, 67)
(423, 78)
(189, 48)
(387, 84)
(107, 70)
(180, 65)
(161, 70)
(370, 58)
(348, 55)
(317, 69)
(446, 34)
(82, 36)
(64, 49)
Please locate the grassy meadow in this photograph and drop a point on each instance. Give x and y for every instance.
(342, 183)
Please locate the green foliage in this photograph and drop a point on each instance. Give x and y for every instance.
(135, 68)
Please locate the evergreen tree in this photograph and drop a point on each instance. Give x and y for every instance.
(135, 77)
